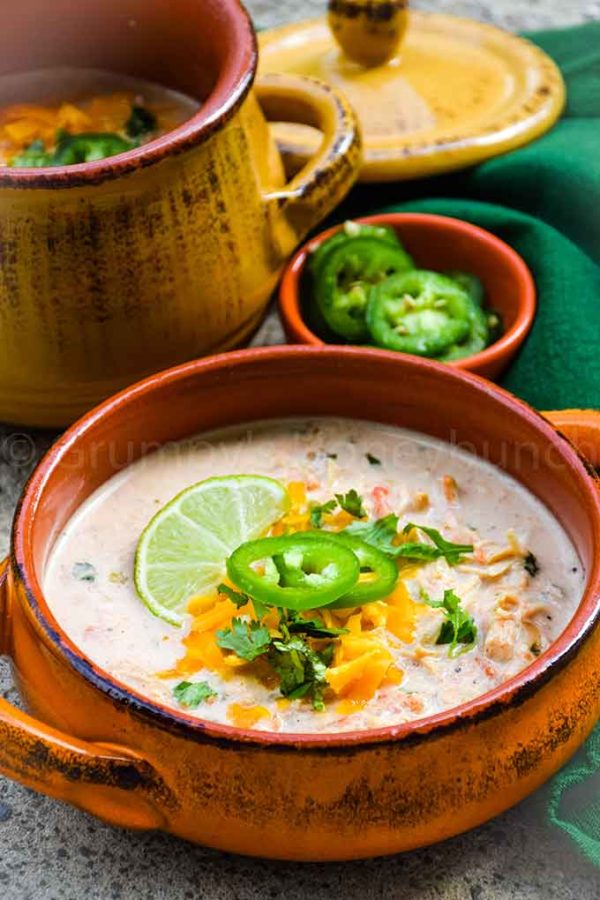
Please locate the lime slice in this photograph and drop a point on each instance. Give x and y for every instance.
(183, 550)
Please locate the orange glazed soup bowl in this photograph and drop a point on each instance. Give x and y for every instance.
(89, 740)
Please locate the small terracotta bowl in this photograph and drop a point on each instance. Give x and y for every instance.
(438, 243)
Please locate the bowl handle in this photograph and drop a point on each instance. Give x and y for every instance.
(582, 428)
(4, 617)
(112, 783)
(326, 179)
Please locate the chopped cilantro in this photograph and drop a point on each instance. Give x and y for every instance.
(87, 147)
(531, 565)
(34, 156)
(235, 596)
(352, 503)
(382, 532)
(459, 627)
(191, 695)
(71, 149)
(141, 122)
(318, 510)
(84, 571)
(416, 550)
(313, 628)
(248, 640)
(379, 534)
(373, 460)
(452, 553)
(327, 653)
(301, 668)
(241, 600)
(302, 671)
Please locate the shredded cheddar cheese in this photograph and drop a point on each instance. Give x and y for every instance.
(246, 716)
(349, 707)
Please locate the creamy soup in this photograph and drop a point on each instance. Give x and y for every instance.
(394, 660)
(64, 116)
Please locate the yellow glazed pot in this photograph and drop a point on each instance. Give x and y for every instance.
(93, 742)
(113, 269)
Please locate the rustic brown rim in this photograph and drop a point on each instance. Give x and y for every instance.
(511, 694)
(233, 84)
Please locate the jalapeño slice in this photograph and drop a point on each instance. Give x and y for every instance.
(346, 277)
(379, 573)
(469, 283)
(419, 312)
(349, 232)
(477, 339)
(294, 572)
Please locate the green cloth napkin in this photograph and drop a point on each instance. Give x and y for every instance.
(574, 803)
(544, 200)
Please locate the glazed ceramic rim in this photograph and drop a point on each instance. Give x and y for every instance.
(500, 352)
(233, 83)
(511, 693)
(411, 160)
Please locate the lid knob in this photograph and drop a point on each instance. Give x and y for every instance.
(369, 31)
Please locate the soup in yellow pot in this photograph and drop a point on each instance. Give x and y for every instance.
(58, 117)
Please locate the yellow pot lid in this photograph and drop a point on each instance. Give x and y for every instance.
(458, 92)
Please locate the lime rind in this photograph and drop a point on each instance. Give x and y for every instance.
(183, 550)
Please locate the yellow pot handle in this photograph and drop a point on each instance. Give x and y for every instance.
(582, 428)
(109, 782)
(326, 179)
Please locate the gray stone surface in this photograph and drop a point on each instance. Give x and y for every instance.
(515, 14)
(51, 852)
